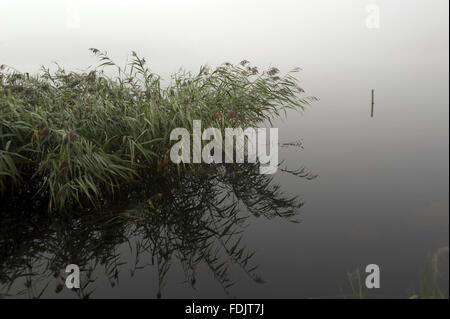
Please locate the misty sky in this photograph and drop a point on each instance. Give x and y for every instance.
(319, 34)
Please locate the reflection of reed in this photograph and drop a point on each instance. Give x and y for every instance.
(196, 219)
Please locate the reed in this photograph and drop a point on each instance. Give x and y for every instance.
(72, 138)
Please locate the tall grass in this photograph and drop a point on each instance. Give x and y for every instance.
(430, 286)
(433, 283)
(75, 137)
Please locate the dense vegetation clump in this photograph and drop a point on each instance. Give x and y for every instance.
(75, 137)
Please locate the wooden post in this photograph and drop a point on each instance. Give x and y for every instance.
(373, 102)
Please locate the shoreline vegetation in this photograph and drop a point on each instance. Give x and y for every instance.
(432, 285)
(73, 138)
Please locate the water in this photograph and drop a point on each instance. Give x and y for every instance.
(381, 191)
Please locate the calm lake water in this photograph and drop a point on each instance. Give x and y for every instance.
(373, 190)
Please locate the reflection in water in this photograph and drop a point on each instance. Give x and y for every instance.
(194, 220)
